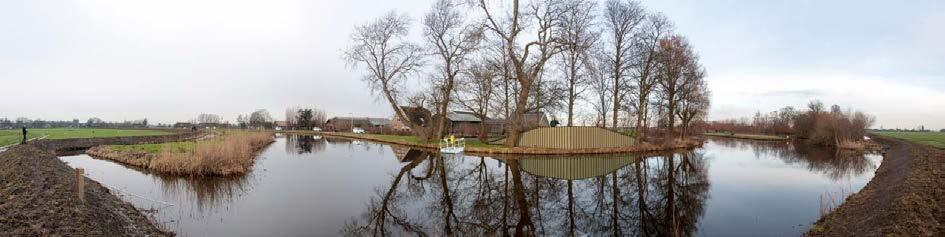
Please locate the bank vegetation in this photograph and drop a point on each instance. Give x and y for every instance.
(818, 125)
(227, 153)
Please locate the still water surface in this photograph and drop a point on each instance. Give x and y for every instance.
(314, 186)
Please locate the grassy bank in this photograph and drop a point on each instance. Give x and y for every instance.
(476, 147)
(13, 136)
(934, 139)
(902, 199)
(761, 137)
(230, 153)
(470, 143)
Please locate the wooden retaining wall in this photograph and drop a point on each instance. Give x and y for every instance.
(574, 138)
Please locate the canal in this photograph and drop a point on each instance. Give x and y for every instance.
(310, 185)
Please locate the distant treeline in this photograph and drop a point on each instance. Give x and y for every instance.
(816, 124)
(75, 123)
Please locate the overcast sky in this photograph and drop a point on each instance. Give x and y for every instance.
(171, 60)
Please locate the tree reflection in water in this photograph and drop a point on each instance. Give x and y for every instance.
(434, 195)
(832, 163)
(303, 144)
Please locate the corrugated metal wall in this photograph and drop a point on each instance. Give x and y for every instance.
(576, 168)
(574, 138)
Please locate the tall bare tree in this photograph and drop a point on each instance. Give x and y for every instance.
(291, 116)
(577, 36)
(209, 118)
(452, 40)
(655, 28)
(694, 101)
(527, 61)
(678, 69)
(600, 85)
(475, 92)
(621, 18)
(381, 48)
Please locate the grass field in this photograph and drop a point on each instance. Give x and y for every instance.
(748, 136)
(8, 137)
(935, 139)
(176, 147)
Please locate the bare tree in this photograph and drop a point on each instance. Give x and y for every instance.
(655, 28)
(528, 61)
(601, 86)
(319, 117)
(387, 57)
(476, 92)
(260, 119)
(452, 40)
(291, 116)
(209, 118)
(621, 18)
(678, 69)
(577, 36)
(694, 102)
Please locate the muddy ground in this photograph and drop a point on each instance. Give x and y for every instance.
(39, 195)
(905, 198)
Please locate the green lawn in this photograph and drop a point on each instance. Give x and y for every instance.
(178, 147)
(748, 136)
(8, 137)
(470, 142)
(935, 139)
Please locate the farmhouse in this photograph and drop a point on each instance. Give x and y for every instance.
(417, 114)
(464, 124)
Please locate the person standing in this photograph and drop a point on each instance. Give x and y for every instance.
(24, 136)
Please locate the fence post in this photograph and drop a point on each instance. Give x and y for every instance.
(80, 183)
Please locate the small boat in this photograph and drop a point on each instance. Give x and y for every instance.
(455, 147)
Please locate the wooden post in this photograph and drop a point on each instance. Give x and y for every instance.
(80, 183)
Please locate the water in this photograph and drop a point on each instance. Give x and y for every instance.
(313, 186)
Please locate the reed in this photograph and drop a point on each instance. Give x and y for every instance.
(230, 154)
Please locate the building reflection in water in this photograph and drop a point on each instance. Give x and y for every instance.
(527, 196)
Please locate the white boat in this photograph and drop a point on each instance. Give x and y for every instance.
(456, 147)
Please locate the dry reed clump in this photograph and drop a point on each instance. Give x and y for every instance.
(230, 154)
(134, 158)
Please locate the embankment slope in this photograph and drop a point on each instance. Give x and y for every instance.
(38, 197)
(906, 197)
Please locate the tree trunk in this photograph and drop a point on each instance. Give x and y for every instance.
(525, 218)
(447, 200)
(482, 130)
(520, 103)
(671, 197)
(444, 107)
(571, 90)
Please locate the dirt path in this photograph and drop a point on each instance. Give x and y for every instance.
(905, 198)
(39, 197)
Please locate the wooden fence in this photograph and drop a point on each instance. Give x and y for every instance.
(574, 138)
